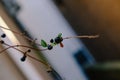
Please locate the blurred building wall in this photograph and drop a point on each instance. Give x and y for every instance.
(96, 17)
(43, 20)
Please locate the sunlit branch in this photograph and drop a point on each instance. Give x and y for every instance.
(23, 35)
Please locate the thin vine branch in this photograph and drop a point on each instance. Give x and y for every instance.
(33, 41)
(14, 47)
(47, 46)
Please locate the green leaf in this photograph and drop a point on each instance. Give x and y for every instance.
(60, 34)
(43, 43)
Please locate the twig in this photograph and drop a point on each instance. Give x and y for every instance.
(84, 36)
(14, 47)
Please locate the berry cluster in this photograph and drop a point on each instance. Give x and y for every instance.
(53, 42)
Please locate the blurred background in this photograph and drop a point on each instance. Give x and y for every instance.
(80, 59)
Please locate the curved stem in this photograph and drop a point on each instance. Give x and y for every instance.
(9, 46)
(38, 60)
(31, 47)
(4, 50)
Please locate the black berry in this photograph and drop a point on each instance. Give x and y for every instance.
(51, 40)
(49, 47)
(58, 40)
(23, 58)
(3, 35)
(29, 50)
(1, 41)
